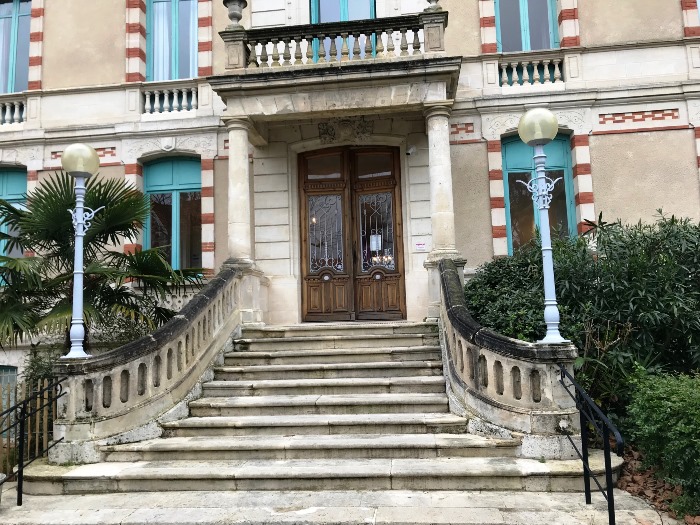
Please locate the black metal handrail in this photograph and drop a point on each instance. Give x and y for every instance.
(591, 413)
(41, 402)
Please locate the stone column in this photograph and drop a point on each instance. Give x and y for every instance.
(240, 245)
(442, 214)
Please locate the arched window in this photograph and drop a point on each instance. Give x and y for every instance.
(174, 190)
(13, 188)
(15, 16)
(526, 25)
(522, 219)
(171, 39)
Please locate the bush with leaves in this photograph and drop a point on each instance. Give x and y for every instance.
(632, 299)
(36, 291)
(665, 413)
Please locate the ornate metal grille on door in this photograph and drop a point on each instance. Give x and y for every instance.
(325, 233)
(377, 231)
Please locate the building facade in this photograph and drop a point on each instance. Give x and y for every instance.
(341, 148)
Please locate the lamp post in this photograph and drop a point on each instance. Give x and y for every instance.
(81, 162)
(538, 127)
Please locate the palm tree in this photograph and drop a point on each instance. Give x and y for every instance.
(36, 291)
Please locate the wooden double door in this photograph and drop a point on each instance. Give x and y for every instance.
(351, 235)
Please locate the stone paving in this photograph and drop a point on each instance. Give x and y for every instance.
(317, 508)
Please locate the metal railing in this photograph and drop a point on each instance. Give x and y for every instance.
(591, 414)
(26, 429)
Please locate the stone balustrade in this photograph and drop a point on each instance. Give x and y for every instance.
(528, 69)
(410, 36)
(12, 109)
(119, 396)
(170, 97)
(513, 385)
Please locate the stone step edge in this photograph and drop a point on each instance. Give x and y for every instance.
(348, 337)
(324, 399)
(315, 442)
(372, 365)
(330, 381)
(370, 350)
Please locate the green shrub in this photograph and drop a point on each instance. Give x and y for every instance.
(665, 416)
(634, 299)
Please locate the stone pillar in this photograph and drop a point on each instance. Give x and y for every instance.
(442, 214)
(240, 245)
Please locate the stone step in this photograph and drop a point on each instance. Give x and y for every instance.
(353, 328)
(357, 446)
(336, 386)
(319, 424)
(315, 404)
(325, 342)
(475, 473)
(330, 370)
(328, 356)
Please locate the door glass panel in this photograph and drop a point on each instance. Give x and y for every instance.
(359, 9)
(558, 218)
(161, 223)
(376, 225)
(187, 39)
(509, 22)
(522, 217)
(325, 221)
(329, 10)
(191, 229)
(538, 14)
(374, 165)
(326, 167)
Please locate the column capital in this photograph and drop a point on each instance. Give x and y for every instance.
(437, 109)
(237, 123)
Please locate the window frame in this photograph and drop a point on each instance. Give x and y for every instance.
(175, 188)
(174, 44)
(525, 26)
(11, 87)
(344, 10)
(568, 181)
(13, 198)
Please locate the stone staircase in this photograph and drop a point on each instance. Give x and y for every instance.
(356, 406)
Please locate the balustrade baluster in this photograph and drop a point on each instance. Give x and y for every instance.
(516, 76)
(557, 70)
(147, 102)
(297, 50)
(275, 53)
(504, 74)
(404, 42)
(193, 104)
(156, 101)
(416, 42)
(177, 104)
(310, 50)
(167, 105)
(390, 49)
(344, 49)
(14, 112)
(368, 45)
(321, 49)
(264, 58)
(334, 49)
(286, 54)
(253, 55)
(3, 113)
(535, 64)
(356, 46)
(380, 45)
(546, 64)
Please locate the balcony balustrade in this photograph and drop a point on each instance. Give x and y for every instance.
(529, 69)
(410, 36)
(12, 109)
(173, 97)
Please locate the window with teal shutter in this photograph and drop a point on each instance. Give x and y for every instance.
(174, 190)
(526, 25)
(15, 16)
(13, 188)
(171, 39)
(522, 216)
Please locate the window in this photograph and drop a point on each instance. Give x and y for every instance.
(14, 45)
(174, 189)
(171, 39)
(526, 25)
(13, 188)
(522, 217)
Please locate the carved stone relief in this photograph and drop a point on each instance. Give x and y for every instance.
(204, 145)
(345, 130)
(577, 120)
(23, 156)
